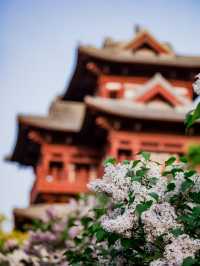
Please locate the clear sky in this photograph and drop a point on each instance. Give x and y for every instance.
(38, 40)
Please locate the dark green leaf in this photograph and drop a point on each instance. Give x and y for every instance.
(85, 220)
(189, 261)
(165, 173)
(154, 195)
(192, 116)
(195, 196)
(174, 171)
(142, 172)
(112, 238)
(196, 211)
(140, 208)
(188, 183)
(190, 173)
(131, 198)
(99, 212)
(135, 162)
(110, 160)
(189, 119)
(101, 234)
(136, 178)
(170, 161)
(177, 231)
(127, 242)
(145, 155)
(183, 159)
(170, 187)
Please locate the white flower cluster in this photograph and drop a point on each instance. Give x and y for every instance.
(196, 85)
(131, 185)
(117, 183)
(158, 220)
(115, 224)
(114, 183)
(179, 249)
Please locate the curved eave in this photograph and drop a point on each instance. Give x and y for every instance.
(121, 56)
(121, 108)
(47, 123)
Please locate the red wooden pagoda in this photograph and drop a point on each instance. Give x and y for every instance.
(122, 98)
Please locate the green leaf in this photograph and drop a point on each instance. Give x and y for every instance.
(110, 160)
(142, 172)
(194, 154)
(196, 114)
(127, 242)
(146, 155)
(101, 234)
(174, 199)
(112, 238)
(174, 171)
(85, 221)
(135, 162)
(189, 261)
(140, 208)
(170, 161)
(177, 231)
(154, 195)
(196, 211)
(192, 116)
(119, 205)
(131, 198)
(188, 183)
(126, 162)
(136, 178)
(183, 159)
(99, 212)
(71, 221)
(190, 173)
(165, 173)
(170, 187)
(94, 228)
(189, 119)
(195, 196)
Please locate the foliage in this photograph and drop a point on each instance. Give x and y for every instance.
(194, 114)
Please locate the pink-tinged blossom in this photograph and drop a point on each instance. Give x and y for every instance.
(74, 231)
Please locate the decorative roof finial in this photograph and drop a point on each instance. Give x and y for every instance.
(137, 28)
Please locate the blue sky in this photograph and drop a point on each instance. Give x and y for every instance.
(37, 54)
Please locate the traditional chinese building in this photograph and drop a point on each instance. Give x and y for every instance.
(122, 98)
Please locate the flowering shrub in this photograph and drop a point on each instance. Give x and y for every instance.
(154, 218)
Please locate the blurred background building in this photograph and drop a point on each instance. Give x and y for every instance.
(123, 98)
